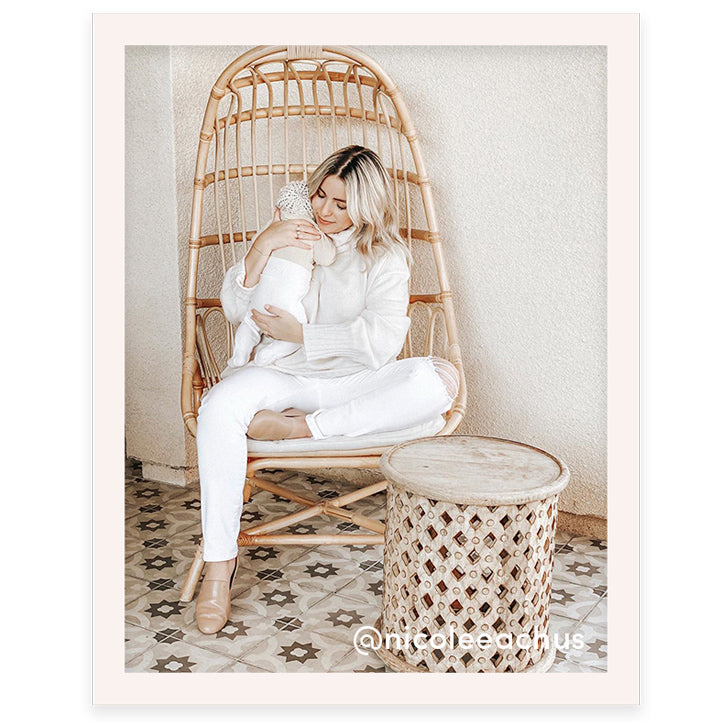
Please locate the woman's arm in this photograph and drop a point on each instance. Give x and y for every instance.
(254, 262)
(241, 279)
(235, 297)
(377, 335)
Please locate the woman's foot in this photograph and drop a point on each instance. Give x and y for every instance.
(293, 412)
(213, 605)
(269, 425)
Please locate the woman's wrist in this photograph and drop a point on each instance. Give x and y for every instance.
(255, 263)
(261, 244)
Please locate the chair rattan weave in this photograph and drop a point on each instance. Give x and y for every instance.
(273, 115)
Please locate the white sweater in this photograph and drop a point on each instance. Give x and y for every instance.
(357, 317)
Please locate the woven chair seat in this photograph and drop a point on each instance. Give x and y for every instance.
(344, 443)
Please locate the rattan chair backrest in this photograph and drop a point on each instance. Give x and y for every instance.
(272, 116)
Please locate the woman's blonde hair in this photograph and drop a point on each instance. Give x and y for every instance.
(369, 199)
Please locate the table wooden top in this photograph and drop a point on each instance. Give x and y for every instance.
(474, 470)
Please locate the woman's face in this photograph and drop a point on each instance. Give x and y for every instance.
(329, 205)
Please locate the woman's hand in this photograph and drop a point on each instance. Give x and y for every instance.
(280, 324)
(295, 232)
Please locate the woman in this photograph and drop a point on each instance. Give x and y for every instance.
(342, 381)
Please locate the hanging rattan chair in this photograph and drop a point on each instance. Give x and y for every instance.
(273, 115)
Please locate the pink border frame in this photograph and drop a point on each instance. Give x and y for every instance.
(620, 33)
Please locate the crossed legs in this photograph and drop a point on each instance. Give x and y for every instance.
(399, 395)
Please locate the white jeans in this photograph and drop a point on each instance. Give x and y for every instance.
(397, 396)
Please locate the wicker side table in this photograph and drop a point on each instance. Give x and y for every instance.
(468, 550)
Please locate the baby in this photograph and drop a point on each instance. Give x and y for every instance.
(283, 283)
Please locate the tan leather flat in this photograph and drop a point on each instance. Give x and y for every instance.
(269, 425)
(213, 605)
(293, 412)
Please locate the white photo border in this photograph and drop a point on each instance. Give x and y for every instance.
(620, 34)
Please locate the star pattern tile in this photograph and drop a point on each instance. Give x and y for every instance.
(296, 608)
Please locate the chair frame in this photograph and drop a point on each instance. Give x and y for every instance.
(200, 370)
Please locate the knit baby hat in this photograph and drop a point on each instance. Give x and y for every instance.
(294, 202)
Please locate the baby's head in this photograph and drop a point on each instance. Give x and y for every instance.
(293, 201)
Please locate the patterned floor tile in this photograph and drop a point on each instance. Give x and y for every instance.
(317, 569)
(598, 614)
(142, 493)
(591, 547)
(241, 667)
(357, 553)
(354, 661)
(373, 506)
(339, 617)
(243, 631)
(289, 622)
(572, 600)
(364, 557)
(560, 634)
(171, 561)
(135, 588)
(185, 506)
(296, 608)
(157, 611)
(278, 475)
(365, 589)
(177, 656)
(298, 651)
(278, 599)
(367, 585)
(318, 484)
(313, 525)
(137, 641)
(295, 481)
(353, 571)
(153, 528)
(245, 579)
(567, 667)
(267, 559)
(133, 469)
(578, 568)
(563, 537)
(561, 625)
(264, 506)
(593, 651)
(138, 539)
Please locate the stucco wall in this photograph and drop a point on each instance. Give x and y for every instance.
(514, 140)
(152, 311)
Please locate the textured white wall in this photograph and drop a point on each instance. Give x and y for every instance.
(154, 430)
(514, 140)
